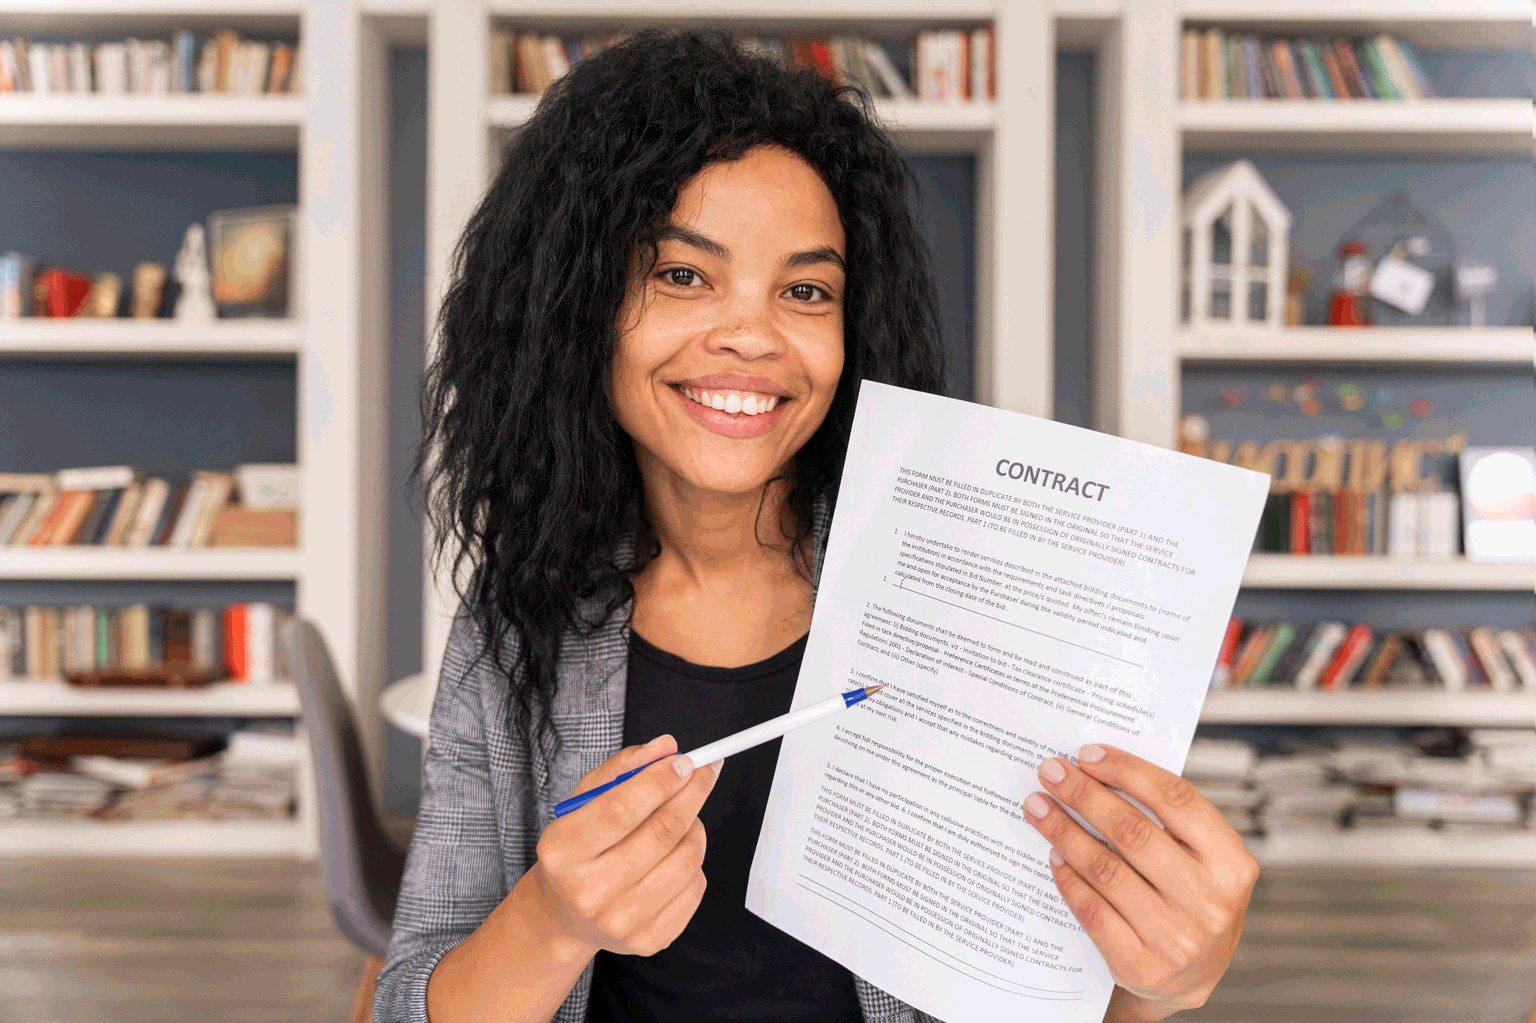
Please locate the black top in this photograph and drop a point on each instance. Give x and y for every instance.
(728, 964)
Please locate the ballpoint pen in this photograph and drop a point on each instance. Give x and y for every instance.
(741, 741)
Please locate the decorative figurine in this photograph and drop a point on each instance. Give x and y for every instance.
(1346, 304)
(148, 289)
(195, 303)
(101, 301)
(1236, 251)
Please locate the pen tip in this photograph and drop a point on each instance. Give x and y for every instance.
(872, 690)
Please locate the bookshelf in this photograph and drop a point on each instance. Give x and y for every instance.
(334, 343)
(1143, 350)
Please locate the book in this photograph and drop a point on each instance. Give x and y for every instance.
(1521, 657)
(880, 62)
(1381, 660)
(147, 515)
(180, 532)
(64, 291)
(236, 652)
(169, 513)
(15, 285)
(1439, 524)
(1295, 655)
(1280, 642)
(217, 487)
(1222, 674)
(1249, 654)
(1348, 658)
(63, 519)
(1325, 642)
(1446, 659)
(1301, 522)
(41, 510)
(101, 503)
(1486, 650)
(116, 529)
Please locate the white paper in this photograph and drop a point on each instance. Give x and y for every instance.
(1011, 621)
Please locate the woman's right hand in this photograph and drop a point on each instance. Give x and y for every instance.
(623, 872)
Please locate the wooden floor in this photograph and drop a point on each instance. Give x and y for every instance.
(238, 941)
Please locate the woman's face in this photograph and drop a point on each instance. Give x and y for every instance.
(730, 350)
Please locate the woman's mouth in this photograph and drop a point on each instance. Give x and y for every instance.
(743, 403)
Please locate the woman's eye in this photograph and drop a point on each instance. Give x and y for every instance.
(806, 292)
(681, 276)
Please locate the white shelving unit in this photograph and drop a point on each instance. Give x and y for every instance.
(1410, 345)
(335, 345)
(1281, 706)
(1371, 572)
(1141, 348)
(1396, 846)
(133, 339)
(52, 698)
(244, 563)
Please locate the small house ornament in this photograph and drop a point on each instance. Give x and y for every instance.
(1235, 251)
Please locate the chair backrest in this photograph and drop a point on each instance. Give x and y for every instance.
(361, 863)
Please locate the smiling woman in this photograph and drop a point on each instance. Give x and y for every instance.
(635, 425)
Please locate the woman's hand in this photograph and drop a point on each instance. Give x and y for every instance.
(1165, 907)
(623, 872)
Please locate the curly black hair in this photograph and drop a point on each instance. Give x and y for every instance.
(528, 484)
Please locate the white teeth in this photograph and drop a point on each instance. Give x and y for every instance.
(733, 402)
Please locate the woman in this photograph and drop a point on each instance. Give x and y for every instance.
(650, 352)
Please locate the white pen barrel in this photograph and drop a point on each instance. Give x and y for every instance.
(759, 734)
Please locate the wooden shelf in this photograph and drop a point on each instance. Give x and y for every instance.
(1277, 706)
(41, 337)
(1372, 344)
(283, 563)
(1397, 846)
(1442, 126)
(88, 121)
(949, 122)
(28, 837)
(49, 698)
(1337, 572)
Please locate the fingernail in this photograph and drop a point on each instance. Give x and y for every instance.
(718, 766)
(1056, 859)
(1090, 754)
(683, 766)
(654, 742)
(1036, 806)
(1052, 770)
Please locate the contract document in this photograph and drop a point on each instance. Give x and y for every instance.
(1021, 587)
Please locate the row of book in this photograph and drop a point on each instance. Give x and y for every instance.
(116, 506)
(1241, 65)
(1333, 656)
(946, 65)
(1480, 779)
(111, 779)
(222, 63)
(86, 643)
(1423, 524)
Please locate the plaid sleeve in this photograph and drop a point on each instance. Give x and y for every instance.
(455, 873)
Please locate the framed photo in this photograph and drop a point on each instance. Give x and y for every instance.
(251, 252)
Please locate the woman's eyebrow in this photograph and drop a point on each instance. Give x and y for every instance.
(678, 233)
(825, 254)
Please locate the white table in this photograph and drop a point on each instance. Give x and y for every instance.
(407, 704)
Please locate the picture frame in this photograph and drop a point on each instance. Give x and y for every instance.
(251, 259)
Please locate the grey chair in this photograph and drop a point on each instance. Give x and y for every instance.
(362, 864)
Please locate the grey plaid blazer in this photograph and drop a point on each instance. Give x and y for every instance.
(486, 797)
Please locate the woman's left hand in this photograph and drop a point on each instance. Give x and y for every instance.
(1165, 907)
